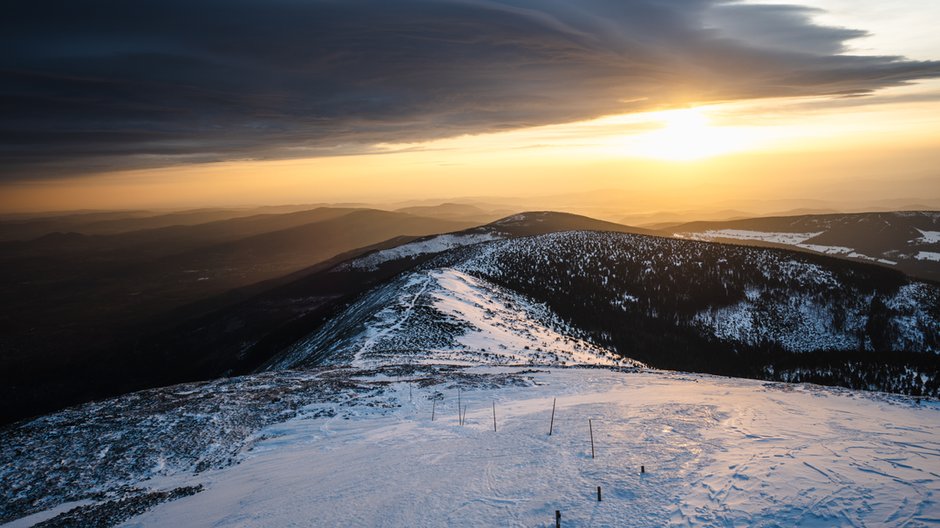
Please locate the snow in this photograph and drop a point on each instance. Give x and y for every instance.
(928, 237)
(791, 239)
(861, 256)
(435, 244)
(717, 452)
(803, 324)
(913, 303)
(927, 255)
(845, 252)
(36, 518)
(828, 250)
(509, 327)
(445, 316)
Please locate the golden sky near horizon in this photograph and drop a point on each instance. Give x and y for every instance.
(848, 151)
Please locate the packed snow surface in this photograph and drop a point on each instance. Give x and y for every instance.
(716, 452)
(928, 255)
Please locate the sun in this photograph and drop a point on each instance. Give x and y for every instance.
(687, 135)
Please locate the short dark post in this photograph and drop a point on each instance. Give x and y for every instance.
(642, 469)
(433, 406)
(409, 393)
(557, 519)
(598, 494)
(552, 424)
(494, 416)
(591, 427)
(459, 408)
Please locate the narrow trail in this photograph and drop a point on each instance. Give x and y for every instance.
(371, 341)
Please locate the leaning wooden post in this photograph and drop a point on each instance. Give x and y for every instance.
(591, 428)
(552, 424)
(494, 416)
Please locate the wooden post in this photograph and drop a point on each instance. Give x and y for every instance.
(494, 416)
(591, 428)
(642, 470)
(552, 424)
(557, 519)
(410, 398)
(598, 494)
(459, 408)
(433, 406)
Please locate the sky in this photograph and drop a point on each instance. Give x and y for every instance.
(647, 104)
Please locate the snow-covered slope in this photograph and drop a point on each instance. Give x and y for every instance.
(738, 294)
(443, 315)
(349, 447)
(905, 240)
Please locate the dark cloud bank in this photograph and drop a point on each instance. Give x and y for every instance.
(96, 85)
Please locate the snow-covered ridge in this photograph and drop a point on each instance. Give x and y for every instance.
(788, 239)
(434, 244)
(903, 240)
(445, 316)
(844, 252)
(791, 239)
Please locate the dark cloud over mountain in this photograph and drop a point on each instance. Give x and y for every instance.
(97, 85)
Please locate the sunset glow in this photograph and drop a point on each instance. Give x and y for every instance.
(688, 135)
(658, 142)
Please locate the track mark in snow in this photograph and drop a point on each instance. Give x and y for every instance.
(371, 340)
